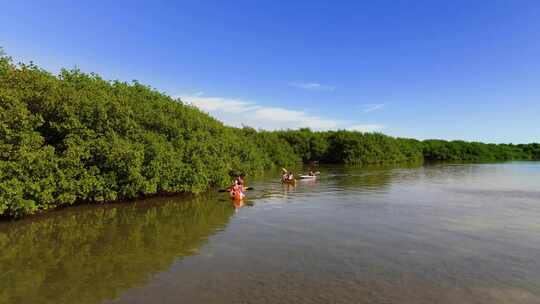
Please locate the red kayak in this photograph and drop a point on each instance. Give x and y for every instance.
(237, 194)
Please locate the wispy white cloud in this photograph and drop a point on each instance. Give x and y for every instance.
(218, 104)
(312, 86)
(279, 118)
(366, 128)
(237, 112)
(371, 107)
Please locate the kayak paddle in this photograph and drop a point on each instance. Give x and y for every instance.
(227, 190)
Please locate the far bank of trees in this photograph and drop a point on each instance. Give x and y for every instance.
(75, 137)
(374, 148)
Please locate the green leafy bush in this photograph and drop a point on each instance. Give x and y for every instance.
(76, 137)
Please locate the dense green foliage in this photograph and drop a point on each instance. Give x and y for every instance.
(440, 150)
(351, 147)
(76, 137)
(375, 148)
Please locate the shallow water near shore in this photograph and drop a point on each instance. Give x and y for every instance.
(441, 233)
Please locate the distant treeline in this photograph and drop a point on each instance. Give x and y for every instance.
(75, 137)
(375, 148)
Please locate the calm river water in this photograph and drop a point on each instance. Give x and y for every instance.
(432, 234)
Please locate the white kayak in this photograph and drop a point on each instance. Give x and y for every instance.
(307, 177)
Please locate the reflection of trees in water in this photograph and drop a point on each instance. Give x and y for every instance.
(447, 173)
(368, 177)
(87, 256)
(375, 177)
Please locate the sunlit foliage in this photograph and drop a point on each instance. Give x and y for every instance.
(76, 137)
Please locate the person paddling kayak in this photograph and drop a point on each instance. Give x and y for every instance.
(287, 177)
(240, 179)
(237, 189)
(237, 192)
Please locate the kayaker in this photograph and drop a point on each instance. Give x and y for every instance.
(240, 179)
(235, 183)
(290, 177)
(237, 191)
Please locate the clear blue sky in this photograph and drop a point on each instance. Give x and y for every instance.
(425, 69)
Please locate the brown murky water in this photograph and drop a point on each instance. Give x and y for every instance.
(431, 234)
